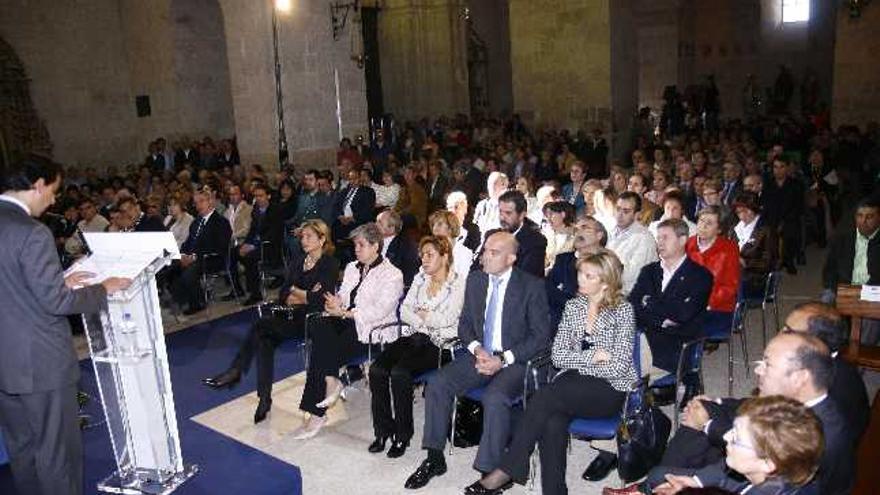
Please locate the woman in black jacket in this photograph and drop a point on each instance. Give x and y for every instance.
(310, 276)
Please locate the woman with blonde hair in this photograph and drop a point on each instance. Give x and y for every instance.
(594, 351)
(310, 276)
(430, 311)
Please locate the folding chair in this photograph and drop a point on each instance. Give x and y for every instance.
(690, 360)
(772, 294)
(722, 333)
(209, 278)
(270, 266)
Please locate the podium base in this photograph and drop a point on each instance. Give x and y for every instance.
(132, 484)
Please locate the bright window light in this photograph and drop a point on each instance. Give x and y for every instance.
(795, 11)
(282, 6)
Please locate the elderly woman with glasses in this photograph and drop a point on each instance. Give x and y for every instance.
(360, 313)
(774, 448)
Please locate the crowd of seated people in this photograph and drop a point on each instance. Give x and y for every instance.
(697, 223)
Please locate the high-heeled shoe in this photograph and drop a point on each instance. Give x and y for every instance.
(378, 445)
(310, 429)
(338, 393)
(262, 410)
(228, 379)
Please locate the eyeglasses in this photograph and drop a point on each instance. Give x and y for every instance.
(733, 440)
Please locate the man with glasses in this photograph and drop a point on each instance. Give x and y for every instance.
(90, 221)
(794, 365)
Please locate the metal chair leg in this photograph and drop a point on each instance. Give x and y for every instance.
(764, 323)
(745, 349)
(730, 366)
(452, 426)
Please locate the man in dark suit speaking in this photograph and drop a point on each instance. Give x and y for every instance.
(504, 323)
(38, 366)
(210, 235)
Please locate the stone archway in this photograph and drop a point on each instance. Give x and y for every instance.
(21, 129)
(201, 67)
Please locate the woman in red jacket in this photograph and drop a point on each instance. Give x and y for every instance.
(720, 256)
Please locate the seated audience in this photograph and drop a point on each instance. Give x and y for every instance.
(486, 211)
(559, 231)
(396, 247)
(758, 245)
(266, 227)
(135, 219)
(310, 275)
(430, 311)
(773, 448)
(178, 220)
(445, 224)
(204, 251)
(720, 255)
(239, 213)
(630, 240)
(531, 243)
(387, 192)
(497, 353)
(562, 284)
(457, 203)
(673, 207)
(795, 365)
(90, 221)
(357, 316)
(354, 206)
(594, 352)
(854, 254)
(413, 201)
(670, 298)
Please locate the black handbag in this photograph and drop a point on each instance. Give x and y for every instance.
(641, 436)
(468, 423)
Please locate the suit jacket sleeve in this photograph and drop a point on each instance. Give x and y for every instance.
(537, 331)
(467, 331)
(533, 255)
(45, 279)
(722, 420)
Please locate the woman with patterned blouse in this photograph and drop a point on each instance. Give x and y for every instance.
(594, 351)
(430, 311)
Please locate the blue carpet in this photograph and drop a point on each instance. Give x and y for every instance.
(226, 466)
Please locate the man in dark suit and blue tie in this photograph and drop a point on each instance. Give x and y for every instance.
(38, 367)
(266, 227)
(209, 235)
(504, 324)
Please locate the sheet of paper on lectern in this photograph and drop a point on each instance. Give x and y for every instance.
(871, 293)
(123, 254)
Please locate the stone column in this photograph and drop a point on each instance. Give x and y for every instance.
(856, 93)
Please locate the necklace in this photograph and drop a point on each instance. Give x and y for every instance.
(309, 262)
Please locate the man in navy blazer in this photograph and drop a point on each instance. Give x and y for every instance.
(503, 324)
(355, 206)
(39, 371)
(209, 234)
(670, 296)
(532, 243)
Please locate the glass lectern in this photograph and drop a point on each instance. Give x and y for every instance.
(127, 345)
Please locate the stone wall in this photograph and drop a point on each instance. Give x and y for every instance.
(561, 62)
(89, 59)
(856, 75)
(624, 77)
(423, 58)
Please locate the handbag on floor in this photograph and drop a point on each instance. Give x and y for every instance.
(641, 436)
(468, 423)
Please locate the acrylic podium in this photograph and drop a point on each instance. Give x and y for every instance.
(127, 345)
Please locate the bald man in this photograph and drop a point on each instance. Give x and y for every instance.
(847, 388)
(503, 324)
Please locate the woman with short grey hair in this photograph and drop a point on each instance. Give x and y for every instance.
(367, 300)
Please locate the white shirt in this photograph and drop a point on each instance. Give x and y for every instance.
(815, 402)
(744, 231)
(462, 258)
(635, 247)
(386, 241)
(496, 331)
(669, 272)
(16, 201)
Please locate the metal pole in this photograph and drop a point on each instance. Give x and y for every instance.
(283, 155)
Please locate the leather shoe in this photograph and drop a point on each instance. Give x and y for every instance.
(262, 410)
(378, 445)
(600, 467)
(397, 449)
(228, 378)
(628, 490)
(477, 488)
(424, 473)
